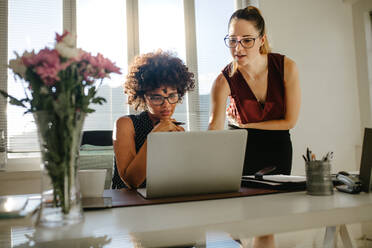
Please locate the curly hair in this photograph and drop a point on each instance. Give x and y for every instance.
(151, 71)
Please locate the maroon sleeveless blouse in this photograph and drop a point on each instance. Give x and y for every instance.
(243, 99)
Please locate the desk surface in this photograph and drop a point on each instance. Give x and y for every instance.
(190, 222)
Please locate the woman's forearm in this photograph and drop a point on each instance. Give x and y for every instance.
(219, 94)
(216, 125)
(135, 173)
(281, 124)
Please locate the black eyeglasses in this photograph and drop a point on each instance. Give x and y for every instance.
(158, 100)
(232, 42)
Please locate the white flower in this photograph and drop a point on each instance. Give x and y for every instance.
(69, 40)
(17, 66)
(67, 51)
(44, 90)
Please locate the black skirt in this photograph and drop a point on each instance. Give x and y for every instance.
(266, 148)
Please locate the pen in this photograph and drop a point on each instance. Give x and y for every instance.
(178, 123)
(307, 153)
(304, 158)
(325, 157)
(330, 156)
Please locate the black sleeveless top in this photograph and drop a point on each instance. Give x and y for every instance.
(142, 127)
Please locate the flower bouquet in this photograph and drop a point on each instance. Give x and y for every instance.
(60, 84)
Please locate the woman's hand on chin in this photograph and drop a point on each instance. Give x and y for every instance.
(167, 125)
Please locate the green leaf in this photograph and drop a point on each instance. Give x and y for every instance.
(92, 92)
(13, 100)
(88, 110)
(98, 100)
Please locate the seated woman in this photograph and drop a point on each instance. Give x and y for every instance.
(156, 82)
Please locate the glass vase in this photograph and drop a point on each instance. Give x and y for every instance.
(59, 138)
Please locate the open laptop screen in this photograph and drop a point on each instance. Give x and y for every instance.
(365, 173)
(187, 163)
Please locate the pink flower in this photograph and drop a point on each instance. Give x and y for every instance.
(63, 64)
(87, 71)
(44, 56)
(67, 64)
(85, 56)
(59, 38)
(29, 60)
(106, 64)
(46, 64)
(49, 74)
(102, 65)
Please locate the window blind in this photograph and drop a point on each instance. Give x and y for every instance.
(3, 62)
(31, 25)
(101, 28)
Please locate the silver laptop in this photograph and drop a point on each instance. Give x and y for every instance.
(192, 163)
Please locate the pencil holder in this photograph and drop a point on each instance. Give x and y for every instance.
(318, 178)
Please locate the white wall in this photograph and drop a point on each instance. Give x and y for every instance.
(318, 36)
(363, 48)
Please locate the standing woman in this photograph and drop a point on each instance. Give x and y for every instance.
(155, 84)
(265, 97)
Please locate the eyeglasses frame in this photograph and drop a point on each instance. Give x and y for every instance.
(164, 98)
(240, 41)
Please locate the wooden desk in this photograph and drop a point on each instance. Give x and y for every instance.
(190, 222)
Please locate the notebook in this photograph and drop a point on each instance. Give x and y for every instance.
(192, 163)
(285, 182)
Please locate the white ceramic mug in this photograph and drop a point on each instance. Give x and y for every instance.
(92, 182)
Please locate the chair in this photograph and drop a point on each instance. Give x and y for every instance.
(97, 138)
(96, 152)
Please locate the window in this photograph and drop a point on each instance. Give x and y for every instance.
(161, 25)
(31, 25)
(369, 55)
(213, 56)
(102, 27)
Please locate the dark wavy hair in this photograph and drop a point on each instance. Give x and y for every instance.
(151, 71)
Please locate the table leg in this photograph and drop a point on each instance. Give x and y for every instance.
(345, 237)
(330, 239)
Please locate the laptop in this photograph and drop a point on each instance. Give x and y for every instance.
(365, 172)
(193, 163)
